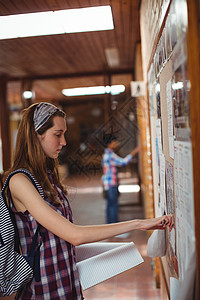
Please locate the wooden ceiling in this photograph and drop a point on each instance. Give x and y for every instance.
(51, 63)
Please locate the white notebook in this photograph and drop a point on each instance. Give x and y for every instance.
(100, 261)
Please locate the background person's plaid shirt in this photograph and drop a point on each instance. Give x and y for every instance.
(110, 162)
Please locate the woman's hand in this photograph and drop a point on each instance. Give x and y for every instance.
(158, 223)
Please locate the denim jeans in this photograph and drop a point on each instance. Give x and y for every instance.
(112, 205)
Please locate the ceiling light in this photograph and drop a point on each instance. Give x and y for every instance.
(27, 94)
(132, 188)
(56, 22)
(112, 57)
(94, 90)
(117, 89)
(86, 19)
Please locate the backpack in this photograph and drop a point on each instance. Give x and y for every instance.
(16, 270)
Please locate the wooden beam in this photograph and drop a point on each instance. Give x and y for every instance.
(4, 125)
(73, 75)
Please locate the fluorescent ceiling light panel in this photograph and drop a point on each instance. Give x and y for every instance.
(56, 22)
(34, 24)
(94, 90)
(112, 57)
(86, 19)
(135, 188)
(117, 89)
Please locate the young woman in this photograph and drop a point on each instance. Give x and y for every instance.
(39, 141)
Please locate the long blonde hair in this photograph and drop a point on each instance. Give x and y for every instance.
(29, 154)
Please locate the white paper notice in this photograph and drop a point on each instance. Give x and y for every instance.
(162, 185)
(174, 288)
(170, 119)
(184, 204)
(159, 134)
(97, 262)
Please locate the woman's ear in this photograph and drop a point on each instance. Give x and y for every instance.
(39, 136)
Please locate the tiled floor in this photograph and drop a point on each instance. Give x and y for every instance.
(89, 208)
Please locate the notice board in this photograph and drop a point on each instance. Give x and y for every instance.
(172, 167)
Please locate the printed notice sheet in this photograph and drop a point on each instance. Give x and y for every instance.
(163, 205)
(170, 119)
(97, 262)
(184, 204)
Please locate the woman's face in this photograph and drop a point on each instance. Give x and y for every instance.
(53, 139)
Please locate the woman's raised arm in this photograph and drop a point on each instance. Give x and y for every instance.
(26, 197)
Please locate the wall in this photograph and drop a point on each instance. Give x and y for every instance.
(166, 56)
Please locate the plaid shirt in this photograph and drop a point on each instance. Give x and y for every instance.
(59, 274)
(110, 162)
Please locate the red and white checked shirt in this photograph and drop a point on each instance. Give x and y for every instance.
(59, 274)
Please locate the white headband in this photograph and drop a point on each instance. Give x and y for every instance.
(42, 113)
